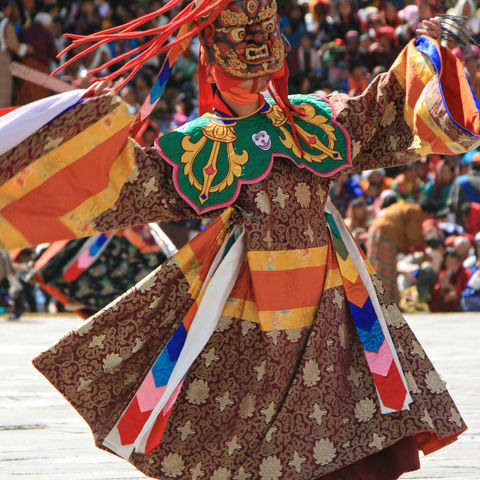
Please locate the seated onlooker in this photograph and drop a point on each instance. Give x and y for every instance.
(373, 183)
(452, 281)
(345, 189)
(408, 185)
(357, 214)
(471, 295)
(439, 187)
(470, 216)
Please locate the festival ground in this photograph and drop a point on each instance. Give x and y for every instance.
(42, 438)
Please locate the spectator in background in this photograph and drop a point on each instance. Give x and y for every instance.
(383, 201)
(347, 19)
(452, 281)
(356, 81)
(396, 231)
(465, 188)
(357, 214)
(470, 212)
(321, 21)
(408, 185)
(472, 69)
(343, 191)
(386, 48)
(471, 295)
(439, 188)
(40, 37)
(304, 65)
(373, 183)
(466, 8)
(294, 24)
(9, 44)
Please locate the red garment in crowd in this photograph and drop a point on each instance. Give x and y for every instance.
(459, 280)
(473, 222)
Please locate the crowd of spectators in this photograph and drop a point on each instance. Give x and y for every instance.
(426, 214)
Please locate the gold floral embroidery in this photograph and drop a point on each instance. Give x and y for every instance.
(455, 417)
(85, 328)
(260, 369)
(273, 334)
(84, 384)
(271, 468)
(393, 316)
(388, 115)
(133, 176)
(270, 433)
(186, 430)
(309, 233)
(303, 194)
(281, 198)
(411, 384)
(197, 392)
(172, 465)
(434, 382)
(149, 187)
(224, 323)
(52, 143)
(111, 362)
(378, 284)
(317, 414)
(343, 335)
(338, 299)
(210, 357)
(297, 461)
(242, 475)
(417, 349)
(426, 418)
(354, 376)
(311, 373)
(294, 334)
(147, 283)
(394, 142)
(247, 406)
(268, 239)
(324, 451)
(197, 471)
(263, 202)
(129, 379)
(247, 326)
(377, 441)
(356, 147)
(139, 343)
(221, 473)
(224, 401)
(233, 445)
(97, 341)
(321, 192)
(364, 410)
(268, 412)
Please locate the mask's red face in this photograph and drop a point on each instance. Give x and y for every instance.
(245, 40)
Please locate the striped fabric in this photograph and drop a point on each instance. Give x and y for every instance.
(47, 189)
(419, 63)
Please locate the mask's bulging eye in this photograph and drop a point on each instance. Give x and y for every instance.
(269, 26)
(237, 34)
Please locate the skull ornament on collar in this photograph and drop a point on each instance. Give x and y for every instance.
(245, 40)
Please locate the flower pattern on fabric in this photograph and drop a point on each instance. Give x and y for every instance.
(173, 465)
(364, 410)
(271, 468)
(324, 451)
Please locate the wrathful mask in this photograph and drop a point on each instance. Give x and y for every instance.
(245, 40)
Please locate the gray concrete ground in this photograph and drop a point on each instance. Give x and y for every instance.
(42, 437)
